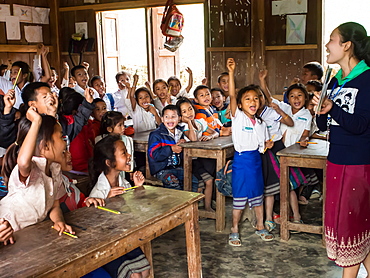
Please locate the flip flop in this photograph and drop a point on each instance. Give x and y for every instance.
(270, 225)
(234, 237)
(263, 234)
(294, 231)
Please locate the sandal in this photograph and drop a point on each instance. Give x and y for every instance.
(234, 237)
(264, 235)
(299, 222)
(270, 225)
(302, 201)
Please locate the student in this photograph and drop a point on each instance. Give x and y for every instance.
(164, 97)
(118, 98)
(175, 85)
(203, 100)
(41, 67)
(164, 151)
(32, 169)
(97, 114)
(203, 168)
(97, 82)
(24, 78)
(223, 84)
(81, 76)
(250, 138)
(144, 114)
(222, 108)
(312, 71)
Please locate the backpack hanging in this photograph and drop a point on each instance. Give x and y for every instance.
(223, 179)
(172, 20)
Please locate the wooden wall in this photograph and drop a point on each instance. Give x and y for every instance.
(21, 49)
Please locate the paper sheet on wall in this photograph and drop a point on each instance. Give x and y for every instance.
(33, 33)
(289, 7)
(23, 12)
(4, 11)
(13, 29)
(81, 27)
(295, 29)
(40, 15)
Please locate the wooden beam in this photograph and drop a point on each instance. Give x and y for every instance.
(234, 49)
(28, 48)
(292, 47)
(55, 33)
(125, 5)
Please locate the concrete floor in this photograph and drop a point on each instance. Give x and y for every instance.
(302, 256)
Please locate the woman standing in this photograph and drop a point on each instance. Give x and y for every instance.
(347, 205)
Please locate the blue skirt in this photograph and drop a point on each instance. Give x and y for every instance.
(247, 178)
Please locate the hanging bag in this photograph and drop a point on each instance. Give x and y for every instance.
(172, 20)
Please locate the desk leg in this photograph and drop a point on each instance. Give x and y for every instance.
(147, 249)
(193, 243)
(284, 198)
(220, 199)
(187, 170)
(147, 169)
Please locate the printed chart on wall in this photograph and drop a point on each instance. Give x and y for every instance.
(4, 11)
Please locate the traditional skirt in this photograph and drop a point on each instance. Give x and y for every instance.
(347, 213)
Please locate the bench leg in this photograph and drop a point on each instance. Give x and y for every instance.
(147, 249)
(284, 199)
(220, 212)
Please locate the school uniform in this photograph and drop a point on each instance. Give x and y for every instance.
(249, 141)
(158, 104)
(182, 93)
(81, 91)
(102, 186)
(118, 101)
(143, 120)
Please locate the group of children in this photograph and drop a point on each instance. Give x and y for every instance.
(91, 135)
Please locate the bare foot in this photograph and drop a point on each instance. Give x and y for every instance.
(210, 209)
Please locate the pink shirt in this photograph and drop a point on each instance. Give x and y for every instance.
(30, 202)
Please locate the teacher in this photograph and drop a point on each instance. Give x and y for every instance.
(346, 114)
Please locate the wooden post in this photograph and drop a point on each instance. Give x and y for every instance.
(147, 249)
(187, 170)
(284, 198)
(55, 31)
(220, 199)
(193, 243)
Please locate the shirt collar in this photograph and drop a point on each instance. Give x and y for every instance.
(356, 71)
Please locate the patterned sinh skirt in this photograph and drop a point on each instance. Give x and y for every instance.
(347, 213)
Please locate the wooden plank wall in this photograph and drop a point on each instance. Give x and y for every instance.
(22, 50)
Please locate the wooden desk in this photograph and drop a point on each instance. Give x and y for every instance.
(146, 214)
(141, 145)
(314, 156)
(220, 149)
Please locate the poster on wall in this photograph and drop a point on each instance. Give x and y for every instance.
(295, 29)
(4, 11)
(289, 7)
(23, 12)
(81, 28)
(13, 30)
(33, 33)
(40, 15)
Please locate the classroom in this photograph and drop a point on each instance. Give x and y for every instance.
(184, 138)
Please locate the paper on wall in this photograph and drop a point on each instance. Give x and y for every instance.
(289, 7)
(33, 33)
(23, 12)
(81, 27)
(4, 11)
(40, 15)
(13, 29)
(295, 29)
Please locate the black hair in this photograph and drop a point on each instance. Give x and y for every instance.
(221, 75)
(218, 90)
(183, 100)
(45, 133)
(356, 33)
(110, 119)
(122, 73)
(73, 70)
(157, 81)
(25, 69)
(142, 89)
(198, 88)
(317, 84)
(315, 68)
(70, 103)
(173, 78)
(64, 92)
(3, 67)
(302, 88)
(103, 150)
(171, 107)
(96, 100)
(29, 92)
(242, 91)
(96, 77)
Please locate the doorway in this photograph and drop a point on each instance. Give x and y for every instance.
(131, 40)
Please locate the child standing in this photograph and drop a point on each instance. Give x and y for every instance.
(164, 97)
(164, 150)
(222, 108)
(97, 82)
(30, 177)
(175, 85)
(250, 138)
(223, 84)
(81, 77)
(118, 98)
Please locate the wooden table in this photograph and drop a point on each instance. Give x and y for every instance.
(141, 145)
(220, 149)
(146, 214)
(314, 156)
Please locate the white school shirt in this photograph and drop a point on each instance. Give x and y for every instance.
(201, 126)
(302, 121)
(158, 104)
(272, 120)
(81, 91)
(102, 186)
(183, 93)
(120, 104)
(143, 120)
(30, 202)
(18, 95)
(107, 102)
(246, 136)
